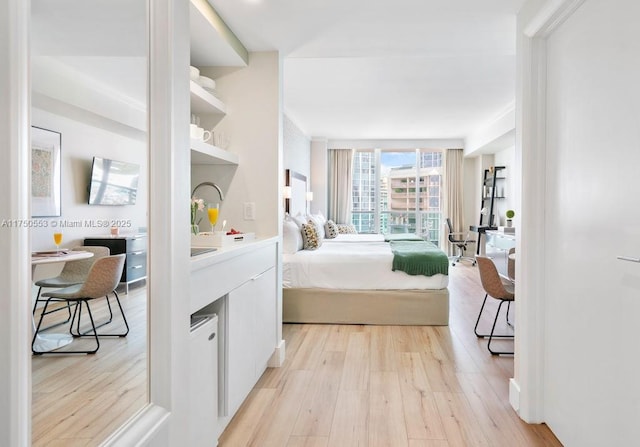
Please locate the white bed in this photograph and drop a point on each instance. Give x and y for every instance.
(349, 282)
(349, 279)
(352, 265)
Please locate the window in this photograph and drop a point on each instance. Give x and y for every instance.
(397, 191)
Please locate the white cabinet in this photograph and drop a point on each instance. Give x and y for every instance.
(252, 334)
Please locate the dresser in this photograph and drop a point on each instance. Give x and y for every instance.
(135, 247)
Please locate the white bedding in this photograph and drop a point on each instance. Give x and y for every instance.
(360, 237)
(348, 265)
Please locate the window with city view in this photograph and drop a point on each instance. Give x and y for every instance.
(397, 192)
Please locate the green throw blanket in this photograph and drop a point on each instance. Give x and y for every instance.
(419, 258)
(402, 237)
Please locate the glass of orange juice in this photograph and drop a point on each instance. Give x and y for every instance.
(57, 239)
(213, 209)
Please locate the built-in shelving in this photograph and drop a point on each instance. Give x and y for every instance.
(203, 102)
(207, 154)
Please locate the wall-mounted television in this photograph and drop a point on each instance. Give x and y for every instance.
(113, 182)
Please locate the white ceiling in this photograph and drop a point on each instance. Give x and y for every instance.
(371, 69)
(353, 69)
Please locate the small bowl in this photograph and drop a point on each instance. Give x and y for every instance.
(194, 73)
(206, 82)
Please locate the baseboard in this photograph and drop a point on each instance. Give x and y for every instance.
(514, 394)
(278, 356)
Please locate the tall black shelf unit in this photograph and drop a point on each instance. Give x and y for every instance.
(490, 183)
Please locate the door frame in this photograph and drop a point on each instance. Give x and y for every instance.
(163, 421)
(536, 22)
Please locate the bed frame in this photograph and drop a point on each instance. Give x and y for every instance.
(383, 307)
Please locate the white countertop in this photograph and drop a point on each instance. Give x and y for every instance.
(225, 253)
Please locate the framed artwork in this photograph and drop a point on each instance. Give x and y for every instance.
(45, 172)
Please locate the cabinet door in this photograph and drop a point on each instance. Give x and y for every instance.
(203, 370)
(264, 318)
(241, 361)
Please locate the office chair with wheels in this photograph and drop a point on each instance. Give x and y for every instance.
(496, 288)
(460, 240)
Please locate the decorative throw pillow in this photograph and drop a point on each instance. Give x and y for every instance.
(291, 237)
(330, 230)
(310, 239)
(319, 225)
(346, 229)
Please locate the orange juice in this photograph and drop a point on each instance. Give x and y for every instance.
(213, 215)
(57, 238)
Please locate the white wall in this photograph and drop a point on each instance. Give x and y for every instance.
(253, 123)
(80, 143)
(296, 149)
(592, 305)
(319, 176)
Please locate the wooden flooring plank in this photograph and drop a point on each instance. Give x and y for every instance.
(387, 419)
(243, 425)
(355, 374)
(308, 441)
(459, 422)
(350, 425)
(316, 414)
(420, 411)
(382, 354)
(277, 423)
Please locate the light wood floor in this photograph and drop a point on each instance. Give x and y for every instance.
(350, 385)
(79, 400)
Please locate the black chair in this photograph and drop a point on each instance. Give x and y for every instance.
(460, 240)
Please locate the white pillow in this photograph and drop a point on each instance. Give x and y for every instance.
(291, 237)
(319, 222)
(299, 219)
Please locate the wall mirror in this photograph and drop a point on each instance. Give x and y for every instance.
(89, 84)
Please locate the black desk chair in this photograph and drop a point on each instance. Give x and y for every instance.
(460, 240)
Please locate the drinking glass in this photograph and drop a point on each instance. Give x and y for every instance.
(57, 239)
(213, 210)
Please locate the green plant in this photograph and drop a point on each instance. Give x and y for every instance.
(510, 214)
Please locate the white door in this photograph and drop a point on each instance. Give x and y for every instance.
(592, 214)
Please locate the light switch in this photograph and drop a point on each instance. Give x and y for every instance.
(249, 211)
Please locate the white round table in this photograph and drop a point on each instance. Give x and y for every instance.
(50, 342)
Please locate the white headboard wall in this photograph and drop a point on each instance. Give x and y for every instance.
(297, 203)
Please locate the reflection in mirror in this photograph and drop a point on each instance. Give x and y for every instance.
(89, 84)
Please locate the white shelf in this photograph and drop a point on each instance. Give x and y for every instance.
(213, 44)
(207, 154)
(203, 102)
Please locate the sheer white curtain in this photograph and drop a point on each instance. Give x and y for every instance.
(454, 185)
(340, 183)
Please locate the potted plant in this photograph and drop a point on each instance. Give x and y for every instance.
(510, 215)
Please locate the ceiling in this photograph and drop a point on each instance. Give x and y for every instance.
(353, 69)
(371, 69)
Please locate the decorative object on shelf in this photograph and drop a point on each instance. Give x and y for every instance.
(510, 214)
(196, 205)
(198, 133)
(206, 82)
(194, 73)
(220, 139)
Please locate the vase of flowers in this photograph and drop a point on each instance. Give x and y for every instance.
(196, 205)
